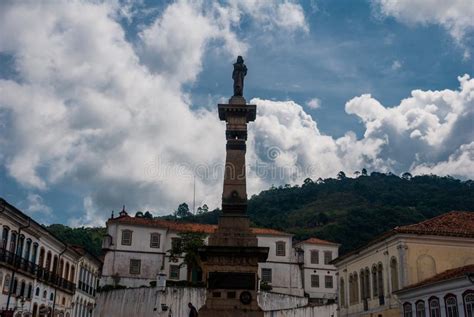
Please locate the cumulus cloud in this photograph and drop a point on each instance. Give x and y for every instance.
(455, 16)
(87, 109)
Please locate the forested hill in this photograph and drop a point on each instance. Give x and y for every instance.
(350, 211)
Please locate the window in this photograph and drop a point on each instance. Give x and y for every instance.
(380, 279)
(51, 296)
(375, 289)
(267, 275)
(45, 293)
(342, 293)
(314, 280)
(154, 240)
(5, 232)
(420, 309)
(469, 303)
(451, 306)
(126, 237)
(434, 307)
(174, 272)
(6, 285)
(135, 266)
(407, 310)
(29, 294)
(314, 257)
(280, 248)
(356, 287)
(327, 257)
(37, 292)
(13, 242)
(394, 274)
(328, 281)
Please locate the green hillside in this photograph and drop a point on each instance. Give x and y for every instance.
(350, 211)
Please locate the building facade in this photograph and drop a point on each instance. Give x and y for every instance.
(38, 272)
(447, 294)
(137, 252)
(370, 276)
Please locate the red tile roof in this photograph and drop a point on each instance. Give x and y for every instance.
(443, 276)
(453, 224)
(185, 226)
(318, 242)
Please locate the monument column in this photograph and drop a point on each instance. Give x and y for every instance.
(230, 261)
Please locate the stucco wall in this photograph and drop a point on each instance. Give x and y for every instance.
(315, 311)
(146, 302)
(272, 301)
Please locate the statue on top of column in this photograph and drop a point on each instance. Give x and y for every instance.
(240, 70)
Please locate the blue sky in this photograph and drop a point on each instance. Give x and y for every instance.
(105, 104)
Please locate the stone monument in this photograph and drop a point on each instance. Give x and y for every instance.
(230, 261)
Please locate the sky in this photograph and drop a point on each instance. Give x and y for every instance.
(105, 104)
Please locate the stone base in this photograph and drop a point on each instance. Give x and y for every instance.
(206, 312)
(233, 230)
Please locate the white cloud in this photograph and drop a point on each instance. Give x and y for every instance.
(36, 205)
(314, 103)
(456, 16)
(88, 109)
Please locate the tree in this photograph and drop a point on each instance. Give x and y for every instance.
(323, 218)
(183, 211)
(189, 245)
(356, 174)
(341, 175)
(407, 176)
(139, 214)
(364, 172)
(148, 215)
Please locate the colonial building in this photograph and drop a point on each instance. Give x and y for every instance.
(447, 294)
(136, 252)
(370, 276)
(38, 272)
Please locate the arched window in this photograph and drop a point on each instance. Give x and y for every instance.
(451, 304)
(407, 310)
(375, 289)
(22, 288)
(55, 264)
(380, 279)
(5, 233)
(41, 258)
(35, 310)
(6, 285)
(362, 284)
(28, 249)
(61, 268)
(280, 248)
(73, 273)
(420, 309)
(34, 254)
(367, 282)
(14, 286)
(1, 279)
(48, 261)
(356, 288)
(45, 294)
(469, 303)
(127, 237)
(394, 274)
(66, 271)
(29, 294)
(19, 249)
(433, 303)
(51, 296)
(13, 242)
(37, 292)
(342, 292)
(64, 301)
(351, 289)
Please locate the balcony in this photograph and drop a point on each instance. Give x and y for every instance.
(35, 271)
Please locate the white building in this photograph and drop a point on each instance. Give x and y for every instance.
(136, 252)
(38, 272)
(447, 294)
